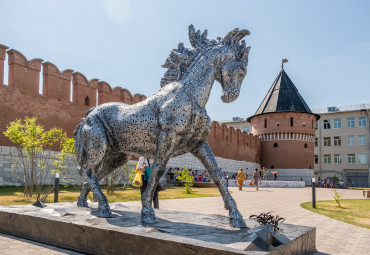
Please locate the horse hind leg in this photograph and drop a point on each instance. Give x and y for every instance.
(103, 205)
(82, 198)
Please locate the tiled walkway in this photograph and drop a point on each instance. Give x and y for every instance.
(332, 236)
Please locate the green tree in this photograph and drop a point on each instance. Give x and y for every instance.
(32, 153)
(185, 175)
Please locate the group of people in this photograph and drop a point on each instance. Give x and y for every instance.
(198, 177)
(241, 177)
(326, 183)
(258, 175)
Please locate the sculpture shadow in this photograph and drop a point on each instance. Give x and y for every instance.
(208, 227)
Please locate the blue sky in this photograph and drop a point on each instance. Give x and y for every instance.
(125, 43)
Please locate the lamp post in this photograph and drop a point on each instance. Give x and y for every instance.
(313, 181)
(56, 188)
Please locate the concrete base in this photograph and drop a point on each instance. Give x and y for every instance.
(68, 226)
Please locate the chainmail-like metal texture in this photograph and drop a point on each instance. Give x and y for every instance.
(172, 122)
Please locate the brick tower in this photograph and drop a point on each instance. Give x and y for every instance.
(286, 127)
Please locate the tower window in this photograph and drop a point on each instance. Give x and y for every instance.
(265, 123)
(275, 145)
(277, 123)
(291, 121)
(87, 101)
(305, 145)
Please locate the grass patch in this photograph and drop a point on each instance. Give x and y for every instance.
(14, 195)
(352, 211)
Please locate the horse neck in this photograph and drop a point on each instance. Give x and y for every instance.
(199, 79)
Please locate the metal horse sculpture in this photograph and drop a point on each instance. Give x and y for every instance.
(170, 123)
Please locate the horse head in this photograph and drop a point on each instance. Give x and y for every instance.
(232, 64)
(229, 56)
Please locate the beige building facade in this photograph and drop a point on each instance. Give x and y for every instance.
(342, 144)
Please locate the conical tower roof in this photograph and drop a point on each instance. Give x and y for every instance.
(283, 96)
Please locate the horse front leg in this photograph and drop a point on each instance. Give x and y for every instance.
(205, 155)
(163, 154)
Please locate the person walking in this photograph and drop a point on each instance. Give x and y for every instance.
(256, 177)
(240, 178)
(265, 172)
(145, 170)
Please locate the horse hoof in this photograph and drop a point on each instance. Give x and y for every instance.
(82, 202)
(105, 213)
(148, 215)
(236, 220)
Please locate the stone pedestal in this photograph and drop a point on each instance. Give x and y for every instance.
(68, 226)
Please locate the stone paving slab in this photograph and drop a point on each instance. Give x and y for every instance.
(332, 236)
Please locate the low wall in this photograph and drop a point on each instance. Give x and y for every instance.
(272, 184)
(304, 175)
(227, 165)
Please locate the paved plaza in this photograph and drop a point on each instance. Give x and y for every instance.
(332, 236)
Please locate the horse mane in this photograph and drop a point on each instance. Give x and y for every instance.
(181, 58)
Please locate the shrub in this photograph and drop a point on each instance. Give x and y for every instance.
(185, 175)
(32, 153)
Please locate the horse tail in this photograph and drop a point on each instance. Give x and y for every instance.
(79, 142)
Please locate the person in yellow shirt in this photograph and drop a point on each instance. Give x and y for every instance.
(240, 177)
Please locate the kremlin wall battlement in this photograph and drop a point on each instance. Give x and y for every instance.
(54, 107)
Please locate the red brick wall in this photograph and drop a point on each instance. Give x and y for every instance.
(21, 98)
(53, 108)
(231, 143)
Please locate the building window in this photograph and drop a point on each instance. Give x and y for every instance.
(351, 122)
(316, 159)
(87, 101)
(362, 159)
(337, 123)
(327, 159)
(277, 123)
(227, 138)
(362, 121)
(247, 129)
(337, 159)
(337, 140)
(327, 124)
(291, 121)
(327, 141)
(265, 123)
(276, 145)
(362, 140)
(351, 158)
(316, 141)
(351, 140)
(305, 145)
